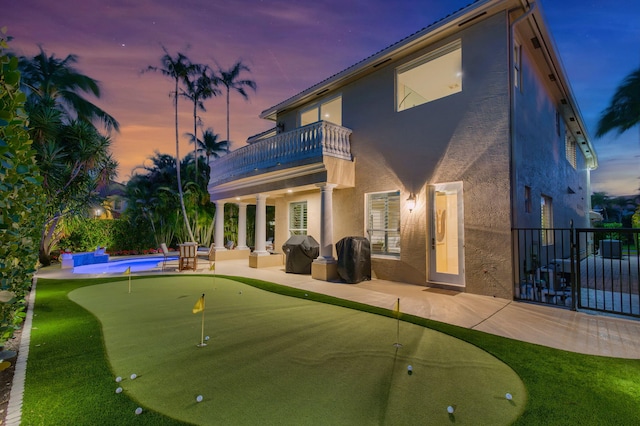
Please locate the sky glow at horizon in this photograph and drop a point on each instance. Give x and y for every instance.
(292, 45)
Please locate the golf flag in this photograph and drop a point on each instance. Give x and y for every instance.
(396, 308)
(212, 267)
(199, 306)
(127, 271)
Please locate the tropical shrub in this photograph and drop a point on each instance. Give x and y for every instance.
(20, 186)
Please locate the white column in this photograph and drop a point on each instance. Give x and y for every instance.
(242, 226)
(261, 225)
(218, 236)
(326, 223)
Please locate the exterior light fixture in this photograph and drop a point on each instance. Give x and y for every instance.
(411, 201)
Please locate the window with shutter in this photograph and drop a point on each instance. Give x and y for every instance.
(383, 222)
(546, 220)
(298, 218)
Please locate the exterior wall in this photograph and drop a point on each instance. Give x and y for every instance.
(540, 156)
(463, 137)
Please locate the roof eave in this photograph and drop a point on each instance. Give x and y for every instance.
(465, 14)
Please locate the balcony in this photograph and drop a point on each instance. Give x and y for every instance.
(303, 146)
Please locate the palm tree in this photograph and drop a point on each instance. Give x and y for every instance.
(209, 144)
(53, 80)
(623, 111)
(178, 69)
(198, 90)
(230, 80)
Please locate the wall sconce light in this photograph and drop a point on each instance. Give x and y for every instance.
(411, 201)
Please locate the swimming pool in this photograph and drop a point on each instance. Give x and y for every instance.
(119, 266)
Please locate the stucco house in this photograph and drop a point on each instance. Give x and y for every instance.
(433, 148)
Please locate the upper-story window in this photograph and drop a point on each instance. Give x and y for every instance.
(517, 65)
(570, 150)
(433, 76)
(328, 110)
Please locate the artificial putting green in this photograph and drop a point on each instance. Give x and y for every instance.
(273, 359)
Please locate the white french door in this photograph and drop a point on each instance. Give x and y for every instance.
(446, 242)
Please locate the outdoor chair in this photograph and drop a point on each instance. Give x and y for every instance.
(188, 256)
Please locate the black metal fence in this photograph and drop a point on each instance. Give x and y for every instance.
(590, 268)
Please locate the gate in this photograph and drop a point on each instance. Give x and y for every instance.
(578, 268)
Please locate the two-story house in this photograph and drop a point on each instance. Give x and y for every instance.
(433, 148)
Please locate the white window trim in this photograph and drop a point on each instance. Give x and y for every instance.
(316, 105)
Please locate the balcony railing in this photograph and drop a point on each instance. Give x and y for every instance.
(314, 140)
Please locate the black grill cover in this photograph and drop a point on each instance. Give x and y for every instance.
(354, 259)
(300, 250)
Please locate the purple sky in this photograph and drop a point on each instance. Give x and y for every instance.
(291, 45)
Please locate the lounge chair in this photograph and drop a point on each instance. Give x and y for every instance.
(165, 253)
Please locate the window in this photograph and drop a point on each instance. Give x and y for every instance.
(298, 218)
(383, 222)
(433, 76)
(527, 199)
(517, 64)
(546, 220)
(570, 150)
(330, 110)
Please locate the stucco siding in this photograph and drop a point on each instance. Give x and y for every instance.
(462, 137)
(540, 155)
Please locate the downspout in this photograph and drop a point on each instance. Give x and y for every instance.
(512, 118)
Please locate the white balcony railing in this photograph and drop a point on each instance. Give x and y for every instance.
(314, 140)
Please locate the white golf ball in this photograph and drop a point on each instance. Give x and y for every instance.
(118, 379)
(119, 390)
(199, 398)
(138, 411)
(450, 409)
(508, 396)
(206, 337)
(133, 376)
(305, 295)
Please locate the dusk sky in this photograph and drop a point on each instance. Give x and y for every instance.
(292, 44)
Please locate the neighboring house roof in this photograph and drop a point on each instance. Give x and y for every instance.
(113, 188)
(440, 29)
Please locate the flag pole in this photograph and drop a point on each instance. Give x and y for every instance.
(397, 312)
(202, 330)
(199, 307)
(128, 272)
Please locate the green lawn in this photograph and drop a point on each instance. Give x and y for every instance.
(331, 363)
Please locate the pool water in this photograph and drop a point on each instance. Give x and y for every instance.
(119, 266)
